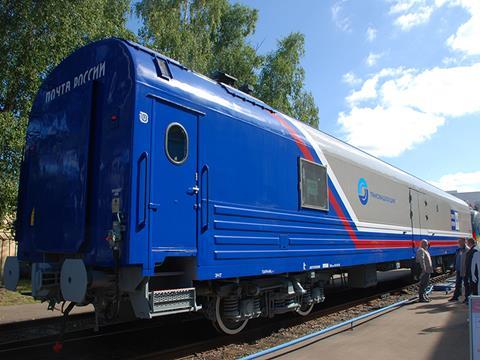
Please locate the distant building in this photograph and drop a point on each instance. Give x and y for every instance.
(8, 246)
(472, 198)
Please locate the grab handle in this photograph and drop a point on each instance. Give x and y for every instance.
(142, 190)
(204, 197)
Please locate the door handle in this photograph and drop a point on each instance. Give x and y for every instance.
(204, 198)
(153, 206)
(193, 190)
(142, 190)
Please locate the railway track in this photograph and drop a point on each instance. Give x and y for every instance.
(29, 324)
(183, 337)
(268, 327)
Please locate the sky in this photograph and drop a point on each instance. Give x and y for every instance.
(399, 79)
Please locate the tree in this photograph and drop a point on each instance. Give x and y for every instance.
(212, 35)
(281, 81)
(12, 138)
(204, 35)
(34, 37)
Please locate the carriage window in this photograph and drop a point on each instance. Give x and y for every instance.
(176, 143)
(313, 185)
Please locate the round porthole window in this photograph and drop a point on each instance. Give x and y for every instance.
(176, 143)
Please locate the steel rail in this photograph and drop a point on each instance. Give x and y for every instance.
(216, 341)
(371, 315)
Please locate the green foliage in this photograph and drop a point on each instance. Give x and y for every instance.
(12, 137)
(204, 35)
(34, 37)
(213, 35)
(281, 81)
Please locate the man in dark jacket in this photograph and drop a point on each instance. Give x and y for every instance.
(460, 269)
(471, 288)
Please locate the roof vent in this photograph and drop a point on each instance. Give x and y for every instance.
(246, 88)
(162, 68)
(224, 78)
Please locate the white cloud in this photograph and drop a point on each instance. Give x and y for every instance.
(414, 18)
(339, 19)
(371, 34)
(372, 59)
(467, 37)
(400, 6)
(441, 91)
(462, 182)
(410, 13)
(450, 60)
(351, 79)
(397, 108)
(388, 131)
(368, 91)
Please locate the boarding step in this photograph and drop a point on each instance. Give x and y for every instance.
(172, 301)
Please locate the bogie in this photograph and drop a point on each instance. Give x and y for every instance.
(231, 305)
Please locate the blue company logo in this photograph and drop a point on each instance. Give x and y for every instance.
(363, 191)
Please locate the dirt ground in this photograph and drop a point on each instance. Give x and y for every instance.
(19, 297)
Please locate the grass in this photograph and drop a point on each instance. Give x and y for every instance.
(19, 297)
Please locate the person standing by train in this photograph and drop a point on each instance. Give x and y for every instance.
(460, 269)
(474, 268)
(425, 261)
(468, 267)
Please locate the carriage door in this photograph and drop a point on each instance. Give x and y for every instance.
(174, 185)
(415, 216)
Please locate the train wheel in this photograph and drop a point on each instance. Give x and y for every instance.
(226, 326)
(304, 310)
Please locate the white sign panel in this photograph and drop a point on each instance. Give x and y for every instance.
(474, 309)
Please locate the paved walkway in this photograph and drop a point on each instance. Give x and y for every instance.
(437, 330)
(16, 313)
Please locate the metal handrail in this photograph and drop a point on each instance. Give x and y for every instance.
(331, 328)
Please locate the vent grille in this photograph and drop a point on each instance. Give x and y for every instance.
(173, 300)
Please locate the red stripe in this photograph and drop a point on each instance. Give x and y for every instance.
(385, 244)
(343, 218)
(359, 244)
(298, 140)
(438, 242)
(308, 155)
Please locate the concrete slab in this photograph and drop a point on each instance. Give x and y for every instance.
(436, 330)
(17, 313)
